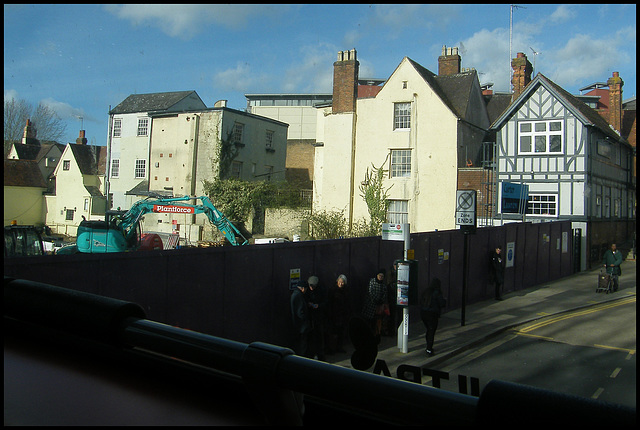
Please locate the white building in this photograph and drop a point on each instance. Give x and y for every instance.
(420, 127)
(128, 141)
(182, 147)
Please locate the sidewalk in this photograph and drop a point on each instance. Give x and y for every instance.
(489, 318)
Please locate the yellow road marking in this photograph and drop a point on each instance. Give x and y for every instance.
(577, 313)
(597, 393)
(615, 372)
(630, 351)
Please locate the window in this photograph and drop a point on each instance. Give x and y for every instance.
(237, 132)
(540, 137)
(141, 169)
(115, 168)
(236, 169)
(143, 126)
(398, 211)
(269, 139)
(66, 165)
(69, 215)
(401, 116)
(542, 205)
(117, 127)
(400, 163)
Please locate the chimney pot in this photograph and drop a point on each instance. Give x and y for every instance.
(449, 62)
(345, 82)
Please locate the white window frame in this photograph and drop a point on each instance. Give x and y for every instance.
(536, 134)
(115, 168)
(117, 127)
(398, 212)
(269, 139)
(543, 205)
(400, 164)
(140, 170)
(238, 133)
(143, 127)
(66, 165)
(402, 116)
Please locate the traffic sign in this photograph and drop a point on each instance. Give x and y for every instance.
(466, 207)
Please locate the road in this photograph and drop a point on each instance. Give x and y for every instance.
(589, 353)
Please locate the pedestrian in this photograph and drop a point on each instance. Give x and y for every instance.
(300, 318)
(431, 304)
(374, 302)
(498, 271)
(339, 314)
(317, 302)
(612, 260)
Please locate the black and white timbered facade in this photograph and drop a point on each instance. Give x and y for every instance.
(577, 167)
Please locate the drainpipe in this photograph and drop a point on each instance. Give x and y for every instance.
(107, 183)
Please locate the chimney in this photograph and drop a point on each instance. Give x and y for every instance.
(29, 134)
(615, 101)
(81, 140)
(522, 70)
(345, 82)
(449, 62)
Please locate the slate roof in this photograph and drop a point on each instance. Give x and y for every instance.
(152, 102)
(91, 159)
(23, 173)
(27, 151)
(453, 90)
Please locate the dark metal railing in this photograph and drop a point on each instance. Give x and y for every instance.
(278, 382)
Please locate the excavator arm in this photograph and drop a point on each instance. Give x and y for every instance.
(130, 219)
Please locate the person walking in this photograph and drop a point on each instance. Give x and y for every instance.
(498, 271)
(431, 304)
(373, 309)
(300, 319)
(339, 314)
(612, 260)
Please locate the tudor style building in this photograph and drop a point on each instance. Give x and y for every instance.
(577, 166)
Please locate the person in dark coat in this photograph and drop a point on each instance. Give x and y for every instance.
(374, 301)
(498, 271)
(431, 304)
(300, 318)
(318, 302)
(612, 260)
(339, 314)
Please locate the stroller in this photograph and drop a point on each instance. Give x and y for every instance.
(605, 282)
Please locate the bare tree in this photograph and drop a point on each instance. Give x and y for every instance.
(48, 124)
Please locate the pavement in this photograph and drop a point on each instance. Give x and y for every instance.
(486, 319)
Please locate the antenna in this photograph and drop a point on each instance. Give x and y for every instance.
(534, 58)
(512, 7)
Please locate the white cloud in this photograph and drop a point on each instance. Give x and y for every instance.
(187, 20)
(240, 78)
(66, 112)
(562, 14)
(584, 58)
(310, 73)
(10, 94)
(488, 52)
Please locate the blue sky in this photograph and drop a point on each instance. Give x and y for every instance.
(81, 59)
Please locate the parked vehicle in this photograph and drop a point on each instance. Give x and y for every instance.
(121, 230)
(22, 241)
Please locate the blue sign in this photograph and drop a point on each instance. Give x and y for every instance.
(514, 198)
